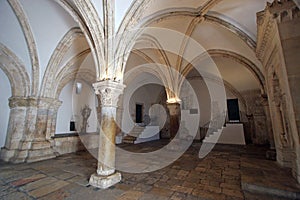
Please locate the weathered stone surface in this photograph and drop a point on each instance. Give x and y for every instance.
(42, 191)
(104, 182)
(174, 110)
(108, 92)
(30, 179)
(131, 195)
(39, 183)
(240, 166)
(281, 20)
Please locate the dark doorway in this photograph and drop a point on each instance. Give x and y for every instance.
(233, 110)
(138, 113)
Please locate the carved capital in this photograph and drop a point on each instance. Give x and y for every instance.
(56, 104)
(22, 102)
(34, 102)
(46, 103)
(174, 108)
(109, 92)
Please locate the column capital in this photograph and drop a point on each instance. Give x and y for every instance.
(56, 104)
(44, 102)
(22, 102)
(174, 107)
(173, 101)
(109, 92)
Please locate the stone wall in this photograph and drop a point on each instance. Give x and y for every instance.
(68, 144)
(278, 48)
(256, 118)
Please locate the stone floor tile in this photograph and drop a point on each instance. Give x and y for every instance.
(181, 189)
(234, 193)
(26, 180)
(208, 195)
(16, 196)
(42, 191)
(5, 190)
(65, 175)
(131, 195)
(14, 175)
(37, 184)
(142, 187)
(83, 181)
(216, 177)
(161, 192)
(152, 197)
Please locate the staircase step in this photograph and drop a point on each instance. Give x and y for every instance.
(128, 141)
(258, 189)
(133, 135)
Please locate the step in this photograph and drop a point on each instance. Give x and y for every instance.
(264, 190)
(128, 141)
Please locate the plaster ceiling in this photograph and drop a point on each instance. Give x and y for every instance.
(236, 74)
(49, 22)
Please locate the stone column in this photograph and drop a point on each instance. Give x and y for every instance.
(41, 147)
(271, 153)
(265, 104)
(175, 116)
(51, 128)
(15, 131)
(109, 92)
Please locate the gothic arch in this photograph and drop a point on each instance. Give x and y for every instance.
(55, 60)
(229, 87)
(155, 70)
(15, 71)
(91, 26)
(201, 12)
(85, 75)
(24, 22)
(236, 57)
(242, 60)
(70, 71)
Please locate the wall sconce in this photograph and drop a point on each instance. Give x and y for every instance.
(78, 88)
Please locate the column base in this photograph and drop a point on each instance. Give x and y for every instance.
(13, 155)
(284, 157)
(105, 182)
(271, 154)
(39, 150)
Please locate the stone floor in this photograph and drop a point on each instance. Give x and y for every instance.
(228, 172)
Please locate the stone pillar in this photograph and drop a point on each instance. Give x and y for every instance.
(108, 91)
(30, 121)
(51, 128)
(279, 55)
(175, 116)
(265, 104)
(15, 131)
(41, 147)
(271, 153)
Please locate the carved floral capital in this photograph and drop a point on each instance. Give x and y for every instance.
(109, 92)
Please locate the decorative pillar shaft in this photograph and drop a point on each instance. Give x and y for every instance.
(265, 104)
(26, 138)
(51, 127)
(175, 115)
(15, 130)
(108, 91)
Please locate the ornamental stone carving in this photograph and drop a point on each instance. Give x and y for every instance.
(109, 92)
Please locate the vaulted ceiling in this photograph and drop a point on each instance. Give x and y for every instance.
(33, 29)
